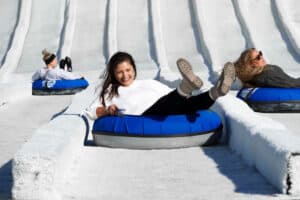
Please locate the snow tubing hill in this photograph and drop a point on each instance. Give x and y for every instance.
(271, 100)
(58, 87)
(156, 132)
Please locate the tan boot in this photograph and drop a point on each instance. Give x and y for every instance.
(224, 83)
(190, 81)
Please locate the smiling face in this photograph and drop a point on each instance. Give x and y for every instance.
(257, 58)
(124, 73)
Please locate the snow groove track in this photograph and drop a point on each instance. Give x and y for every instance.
(133, 33)
(162, 174)
(275, 45)
(46, 24)
(290, 18)
(220, 28)
(181, 37)
(88, 46)
(9, 14)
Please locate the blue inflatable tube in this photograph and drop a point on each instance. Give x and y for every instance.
(58, 87)
(271, 100)
(155, 132)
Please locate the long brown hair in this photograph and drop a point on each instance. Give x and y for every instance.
(245, 70)
(110, 84)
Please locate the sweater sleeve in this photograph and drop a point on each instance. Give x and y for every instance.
(36, 75)
(39, 74)
(91, 110)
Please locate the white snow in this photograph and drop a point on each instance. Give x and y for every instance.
(264, 144)
(268, 35)
(14, 53)
(51, 22)
(45, 152)
(289, 18)
(88, 22)
(9, 11)
(221, 35)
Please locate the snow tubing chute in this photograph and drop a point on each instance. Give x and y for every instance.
(58, 87)
(156, 132)
(272, 100)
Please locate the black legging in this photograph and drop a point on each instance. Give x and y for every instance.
(175, 104)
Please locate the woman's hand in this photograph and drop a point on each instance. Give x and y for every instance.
(112, 109)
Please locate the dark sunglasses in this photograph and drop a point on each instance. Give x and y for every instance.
(258, 57)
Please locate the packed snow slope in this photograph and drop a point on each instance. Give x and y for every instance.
(206, 32)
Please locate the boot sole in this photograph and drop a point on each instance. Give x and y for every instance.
(228, 76)
(187, 73)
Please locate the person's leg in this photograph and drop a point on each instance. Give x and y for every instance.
(62, 64)
(69, 63)
(174, 104)
(198, 102)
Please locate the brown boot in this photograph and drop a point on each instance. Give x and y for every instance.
(190, 81)
(224, 83)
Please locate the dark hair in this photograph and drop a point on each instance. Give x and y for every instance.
(110, 84)
(48, 57)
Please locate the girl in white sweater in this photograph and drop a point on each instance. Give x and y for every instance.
(122, 94)
(51, 72)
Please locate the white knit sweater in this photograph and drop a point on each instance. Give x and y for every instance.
(135, 98)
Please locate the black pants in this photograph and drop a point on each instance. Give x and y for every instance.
(274, 76)
(175, 104)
